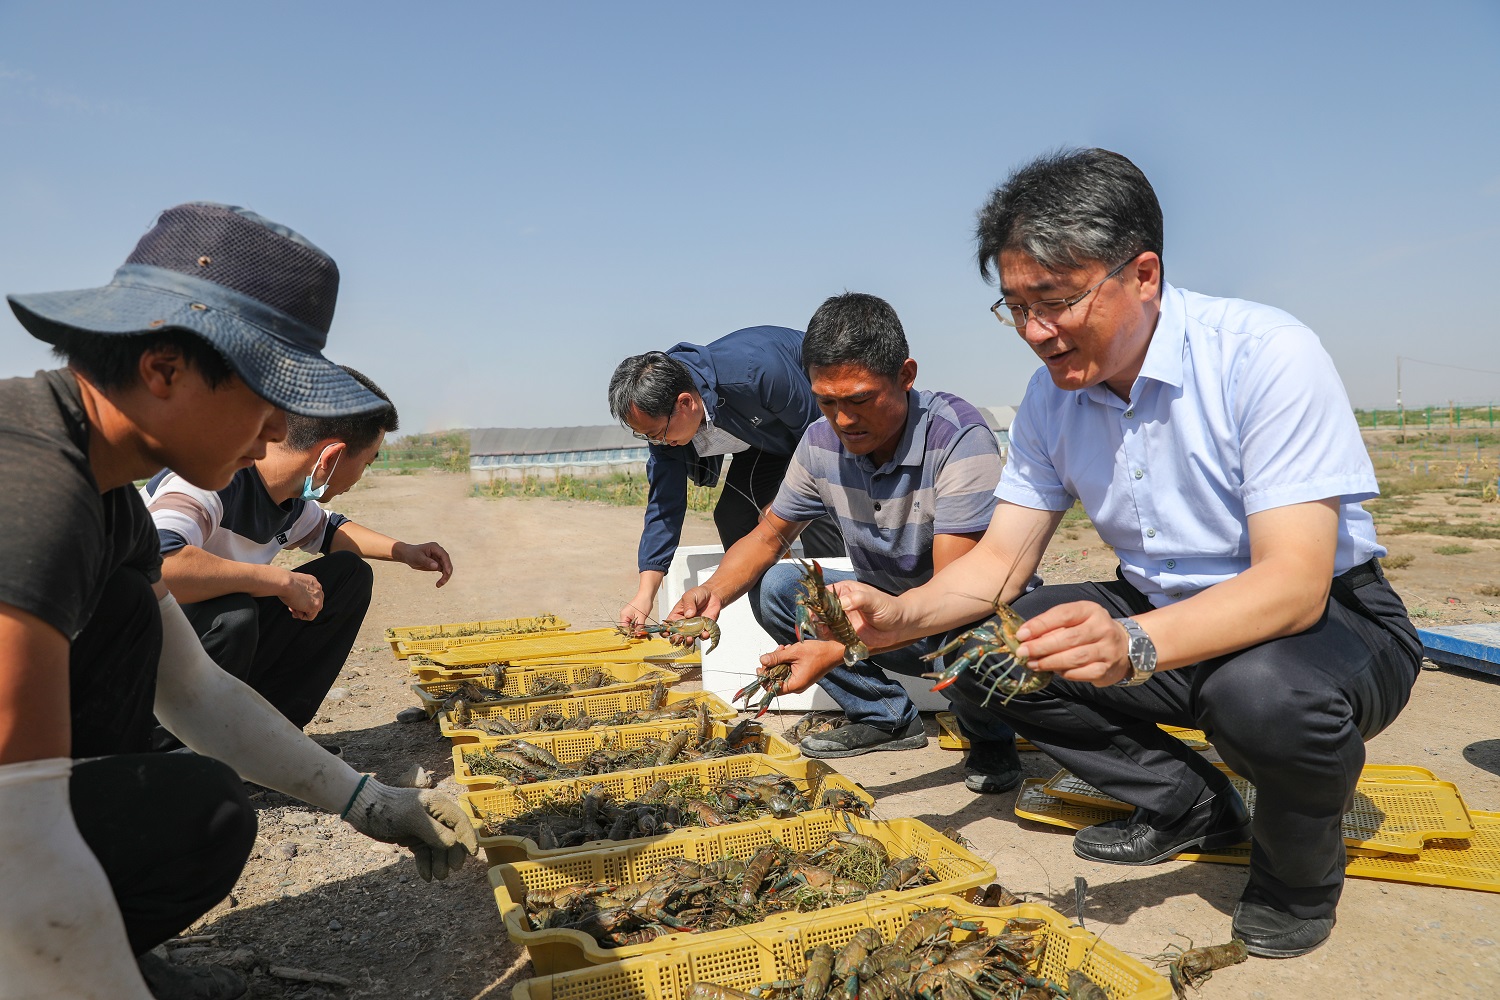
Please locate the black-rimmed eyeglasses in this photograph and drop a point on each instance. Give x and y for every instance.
(1048, 312)
(658, 438)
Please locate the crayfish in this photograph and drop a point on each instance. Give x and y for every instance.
(1195, 966)
(690, 629)
(991, 652)
(817, 605)
(768, 680)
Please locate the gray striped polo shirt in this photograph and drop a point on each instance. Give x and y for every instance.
(941, 481)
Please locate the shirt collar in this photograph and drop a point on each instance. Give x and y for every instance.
(1164, 355)
(1163, 361)
(913, 447)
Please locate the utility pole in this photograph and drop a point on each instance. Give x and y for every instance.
(1400, 411)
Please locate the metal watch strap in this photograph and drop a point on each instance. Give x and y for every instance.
(1142, 654)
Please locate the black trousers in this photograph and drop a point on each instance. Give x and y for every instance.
(172, 831)
(751, 483)
(292, 663)
(1291, 715)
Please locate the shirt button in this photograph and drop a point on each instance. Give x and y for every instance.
(877, 504)
(1171, 564)
(1129, 414)
(1139, 473)
(1150, 532)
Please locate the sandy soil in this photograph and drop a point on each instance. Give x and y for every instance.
(319, 897)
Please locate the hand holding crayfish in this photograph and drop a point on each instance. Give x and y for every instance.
(803, 663)
(1079, 641)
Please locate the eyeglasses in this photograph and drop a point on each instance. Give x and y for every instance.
(1048, 312)
(657, 438)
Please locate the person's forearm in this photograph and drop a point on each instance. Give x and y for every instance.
(367, 544)
(963, 592)
(645, 595)
(746, 562)
(193, 575)
(218, 715)
(1266, 601)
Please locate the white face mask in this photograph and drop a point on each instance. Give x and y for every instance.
(308, 493)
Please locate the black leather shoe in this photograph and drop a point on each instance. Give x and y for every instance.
(190, 982)
(992, 767)
(1272, 933)
(1219, 821)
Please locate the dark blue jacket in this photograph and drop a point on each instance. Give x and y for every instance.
(753, 386)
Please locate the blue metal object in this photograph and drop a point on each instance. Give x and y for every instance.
(1473, 647)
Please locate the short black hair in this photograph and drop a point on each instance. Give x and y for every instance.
(856, 329)
(649, 382)
(112, 361)
(1070, 207)
(358, 432)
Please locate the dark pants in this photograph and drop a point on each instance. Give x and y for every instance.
(171, 831)
(1291, 715)
(750, 485)
(292, 663)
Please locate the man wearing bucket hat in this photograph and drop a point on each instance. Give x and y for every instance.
(186, 360)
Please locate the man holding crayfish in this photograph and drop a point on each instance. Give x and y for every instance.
(1212, 444)
(910, 477)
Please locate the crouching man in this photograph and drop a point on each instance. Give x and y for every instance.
(186, 360)
(286, 633)
(910, 477)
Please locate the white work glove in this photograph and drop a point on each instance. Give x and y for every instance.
(433, 826)
(219, 716)
(61, 934)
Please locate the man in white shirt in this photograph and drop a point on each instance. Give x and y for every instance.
(1212, 445)
(286, 633)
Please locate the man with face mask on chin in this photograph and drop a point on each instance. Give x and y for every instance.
(284, 632)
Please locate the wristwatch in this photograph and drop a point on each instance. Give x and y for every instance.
(1142, 654)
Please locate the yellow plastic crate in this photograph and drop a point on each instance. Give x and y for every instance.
(1459, 864)
(642, 650)
(959, 872)
(597, 705)
(1387, 816)
(423, 669)
(555, 645)
(518, 680)
(440, 665)
(570, 748)
(812, 778)
(775, 950)
(544, 621)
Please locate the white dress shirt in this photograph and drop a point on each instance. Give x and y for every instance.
(1237, 409)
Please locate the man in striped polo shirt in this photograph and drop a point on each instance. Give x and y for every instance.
(910, 475)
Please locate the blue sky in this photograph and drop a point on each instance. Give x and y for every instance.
(521, 195)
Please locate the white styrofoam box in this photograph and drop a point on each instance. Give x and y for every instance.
(742, 641)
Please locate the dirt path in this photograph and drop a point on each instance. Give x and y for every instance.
(320, 897)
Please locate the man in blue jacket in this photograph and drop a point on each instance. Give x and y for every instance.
(744, 395)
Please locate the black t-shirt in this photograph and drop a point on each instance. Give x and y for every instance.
(62, 539)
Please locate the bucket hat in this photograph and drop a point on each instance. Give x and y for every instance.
(260, 293)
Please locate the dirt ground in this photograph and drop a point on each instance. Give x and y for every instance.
(316, 896)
